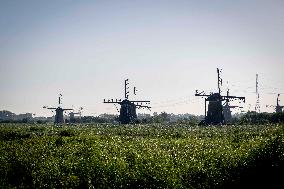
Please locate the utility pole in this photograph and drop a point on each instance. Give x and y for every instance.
(257, 104)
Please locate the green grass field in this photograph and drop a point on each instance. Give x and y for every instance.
(140, 156)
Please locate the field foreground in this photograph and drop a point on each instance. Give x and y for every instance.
(141, 156)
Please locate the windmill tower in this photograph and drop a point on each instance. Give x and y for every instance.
(127, 107)
(215, 114)
(58, 111)
(257, 104)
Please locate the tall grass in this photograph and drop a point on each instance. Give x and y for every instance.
(140, 156)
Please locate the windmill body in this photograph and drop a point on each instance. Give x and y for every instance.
(215, 113)
(227, 113)
(279, 109)
(127, 112)
(227, 110)
(73, 114)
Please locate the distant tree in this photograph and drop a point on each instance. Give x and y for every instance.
(25, 120)
(261, 118)
(164, 116)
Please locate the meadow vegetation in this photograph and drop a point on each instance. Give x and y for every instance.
(140, 156)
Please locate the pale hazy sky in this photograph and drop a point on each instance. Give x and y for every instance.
(167, 49)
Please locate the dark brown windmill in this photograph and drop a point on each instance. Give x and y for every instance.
(58, 111)
(128, 107)
(215, 113)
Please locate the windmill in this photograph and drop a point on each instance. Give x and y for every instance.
(72, 115)
(216, 113)
(58, 111)
(227, 109)
(128, 107)
(278, 108)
